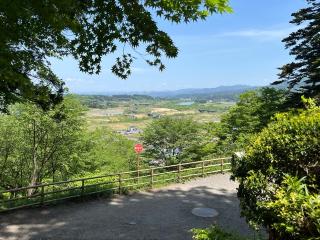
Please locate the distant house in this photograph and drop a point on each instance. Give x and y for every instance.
(154, 115)
(131, 116)
(133, 129)
(206, 111)
(122, 132)
(130, 130)
(142, 104)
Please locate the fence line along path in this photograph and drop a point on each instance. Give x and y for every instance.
(111, 183)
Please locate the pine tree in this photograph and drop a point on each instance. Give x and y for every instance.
(303, 74)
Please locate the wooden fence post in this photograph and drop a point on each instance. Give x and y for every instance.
(151, 177)
(42, 195)
(138, 168)
(221, 165)
(179, 172)
(176, 171)
(120, 183)
(202, 168)
(82, 187)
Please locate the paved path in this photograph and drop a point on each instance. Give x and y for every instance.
(163, 213)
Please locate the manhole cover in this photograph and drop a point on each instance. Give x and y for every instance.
(204, 212)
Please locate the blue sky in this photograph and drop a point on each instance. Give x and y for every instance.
(240, 48)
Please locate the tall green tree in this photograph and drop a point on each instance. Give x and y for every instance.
(36, 146)
(173, 139)
(303, 74)
(252, 112)
(34, 31)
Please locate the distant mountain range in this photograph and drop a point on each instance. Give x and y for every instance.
(197, 92)
(188, 93)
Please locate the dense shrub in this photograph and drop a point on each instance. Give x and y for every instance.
(296, 211)
(214, 233)
(279, 176)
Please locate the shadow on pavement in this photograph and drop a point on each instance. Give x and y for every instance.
(154, 215)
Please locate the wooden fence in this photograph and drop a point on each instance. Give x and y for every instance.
(112, 183)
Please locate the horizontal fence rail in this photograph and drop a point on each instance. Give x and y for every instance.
(111, 183)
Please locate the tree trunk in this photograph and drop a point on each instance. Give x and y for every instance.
(33, 180)
(35, 172)
(272, 234)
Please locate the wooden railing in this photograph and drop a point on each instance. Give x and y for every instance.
(110, 183)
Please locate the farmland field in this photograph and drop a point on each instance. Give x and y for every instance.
(120, 115)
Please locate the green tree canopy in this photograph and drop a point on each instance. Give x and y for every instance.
(303, 74)
(34, 31)
(173, 139)
(37, 145)
(109, 152)
(279, 176)
(252, 112)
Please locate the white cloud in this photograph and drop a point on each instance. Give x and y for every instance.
(271, 34)
(260, 33)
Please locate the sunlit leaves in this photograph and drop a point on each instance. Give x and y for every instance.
(279, 175)
(296, 211)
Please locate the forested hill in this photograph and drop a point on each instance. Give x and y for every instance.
(218, 92)
(222, 93)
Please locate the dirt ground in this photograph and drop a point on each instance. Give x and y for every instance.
(163, 213)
